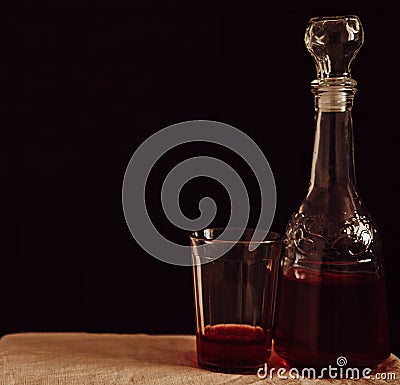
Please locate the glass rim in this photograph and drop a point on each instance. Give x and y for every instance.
(277, 236)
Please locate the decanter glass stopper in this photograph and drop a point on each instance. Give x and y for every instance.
(333, 42)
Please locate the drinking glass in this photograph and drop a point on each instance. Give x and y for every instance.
(234, 298)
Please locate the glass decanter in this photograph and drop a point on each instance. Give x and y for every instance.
(331, 298)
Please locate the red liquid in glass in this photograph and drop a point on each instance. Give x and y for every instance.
(233, 348)
(322, 316)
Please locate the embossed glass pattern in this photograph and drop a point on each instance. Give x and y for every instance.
(331, 299)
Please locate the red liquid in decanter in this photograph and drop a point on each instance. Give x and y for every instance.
(323, 316)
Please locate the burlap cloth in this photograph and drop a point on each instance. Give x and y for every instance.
(122, 359)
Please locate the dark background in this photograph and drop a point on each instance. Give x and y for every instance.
(90, 81)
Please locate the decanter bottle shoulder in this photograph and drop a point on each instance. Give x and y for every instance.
(332, 212)
(340, 200)
(346, 237)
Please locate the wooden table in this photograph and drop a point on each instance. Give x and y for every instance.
(122, 359)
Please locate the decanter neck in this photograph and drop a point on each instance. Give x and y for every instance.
(333, 157)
